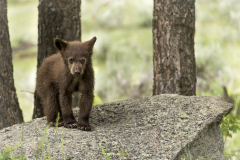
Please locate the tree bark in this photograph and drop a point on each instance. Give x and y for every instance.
(173, 47)
(10, 113)
(56, 19)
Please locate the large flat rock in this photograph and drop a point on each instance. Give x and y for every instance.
(159, 127)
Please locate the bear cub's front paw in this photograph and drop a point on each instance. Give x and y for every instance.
(70, 124)
(84, 125)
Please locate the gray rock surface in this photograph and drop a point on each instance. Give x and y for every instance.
(160, 127)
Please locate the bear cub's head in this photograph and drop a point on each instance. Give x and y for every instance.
(76, 55)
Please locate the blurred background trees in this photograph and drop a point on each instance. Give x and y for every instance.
(123, 53)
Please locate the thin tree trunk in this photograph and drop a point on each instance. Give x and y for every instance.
(10, 113)
(56, 19)
(173, 47)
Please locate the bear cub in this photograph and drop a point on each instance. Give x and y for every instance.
(60, 75)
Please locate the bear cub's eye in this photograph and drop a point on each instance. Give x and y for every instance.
(71, 60)
(82, 61)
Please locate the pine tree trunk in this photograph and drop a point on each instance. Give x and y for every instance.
(56, 19)
(10, 113)
(173, 47)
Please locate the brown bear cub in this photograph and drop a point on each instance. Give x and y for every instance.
(60, 75)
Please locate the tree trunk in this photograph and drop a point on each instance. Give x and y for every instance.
(10, 113)
(173, 47)
(56, 19)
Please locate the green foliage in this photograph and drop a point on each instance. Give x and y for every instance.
(106, 155)
(229, 156)
(123, 153)
(232, 146)
(121, 73)
(230, 125)
(9, 154)
(120, 154)
(103, 14)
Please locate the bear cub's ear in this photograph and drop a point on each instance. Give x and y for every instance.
(91, 43)
(60, 44)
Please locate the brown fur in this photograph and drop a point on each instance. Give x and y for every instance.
(62, 74)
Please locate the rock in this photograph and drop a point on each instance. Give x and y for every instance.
(159, 127)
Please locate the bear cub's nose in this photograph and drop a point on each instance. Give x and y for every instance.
(76, 72)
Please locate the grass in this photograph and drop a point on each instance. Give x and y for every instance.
(122, 154)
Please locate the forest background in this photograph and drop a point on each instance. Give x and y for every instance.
(123, 52)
